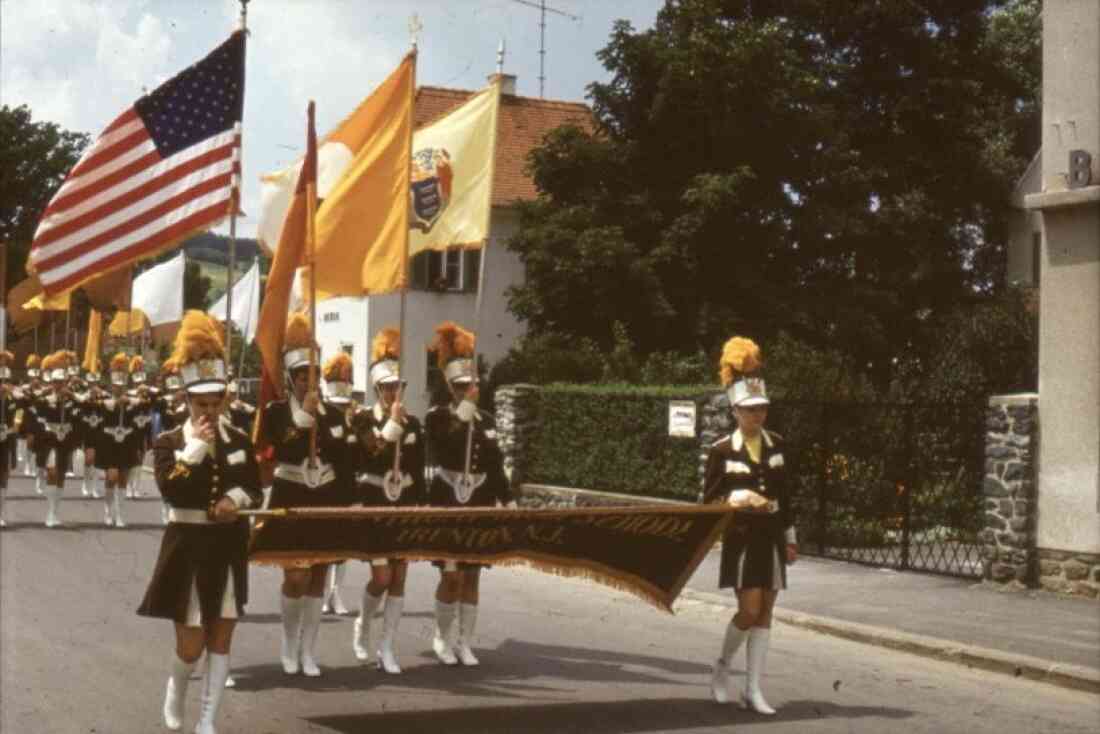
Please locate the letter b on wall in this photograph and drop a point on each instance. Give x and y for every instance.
(1080, 169)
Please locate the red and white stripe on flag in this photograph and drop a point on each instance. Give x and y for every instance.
(165, 169)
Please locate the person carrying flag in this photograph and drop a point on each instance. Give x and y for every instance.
(388, 456)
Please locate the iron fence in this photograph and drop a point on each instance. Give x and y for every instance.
(889, 484)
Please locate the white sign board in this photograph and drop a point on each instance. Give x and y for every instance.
(681, 418)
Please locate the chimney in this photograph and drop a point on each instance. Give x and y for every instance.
(507, 83)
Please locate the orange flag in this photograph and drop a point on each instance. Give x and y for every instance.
(91, 347)
(363, 225)
(290, 255)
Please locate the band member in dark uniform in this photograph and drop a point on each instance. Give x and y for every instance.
(286, 427)
(116, 451)
(206, 470)
(141, 439)
(91, 421)
(241, 413)
(338, 378)
(7, 425)
(381, 433)
(171, 405)
(468, 472)
(748, 470)
(29, 427)
(58, 436)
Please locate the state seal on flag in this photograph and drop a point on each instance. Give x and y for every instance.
(431, 182)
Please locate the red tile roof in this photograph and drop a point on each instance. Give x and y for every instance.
(523, 123)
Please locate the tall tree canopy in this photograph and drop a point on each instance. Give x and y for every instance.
(837, 170)
(35, 157)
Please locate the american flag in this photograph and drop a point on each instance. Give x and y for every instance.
(165, 169)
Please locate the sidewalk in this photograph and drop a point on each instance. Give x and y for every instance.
(1030, 633)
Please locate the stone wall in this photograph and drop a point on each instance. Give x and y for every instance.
(1008, 538)
(1070, 573)
(515, 418)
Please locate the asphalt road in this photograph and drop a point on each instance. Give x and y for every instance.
(558, 655)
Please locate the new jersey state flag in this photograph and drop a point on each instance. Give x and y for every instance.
(452, 176)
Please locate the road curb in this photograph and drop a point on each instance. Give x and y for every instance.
(1021, 666)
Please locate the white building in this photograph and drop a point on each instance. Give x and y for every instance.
(444, 285)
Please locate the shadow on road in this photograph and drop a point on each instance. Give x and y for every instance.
(614, 717)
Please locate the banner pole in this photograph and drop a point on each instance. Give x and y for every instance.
(404, 272)
(311, 248)
(481, 276)
(234, 203)
(248, 324)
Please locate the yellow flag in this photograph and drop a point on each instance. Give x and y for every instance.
(127, 322)
(91, 347)
(362, 225)
(452, 176)
(41, 303)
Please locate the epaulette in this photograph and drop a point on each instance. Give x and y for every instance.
(772, 434)
(725, 437)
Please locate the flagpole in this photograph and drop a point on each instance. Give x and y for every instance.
(481, 262)
(248, 324)
(414, 28)
(234, 203)
(311, 249)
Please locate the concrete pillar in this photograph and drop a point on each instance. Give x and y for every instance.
(1068, 497)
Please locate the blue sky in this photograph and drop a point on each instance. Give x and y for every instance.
(80, 62)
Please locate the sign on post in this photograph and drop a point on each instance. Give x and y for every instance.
(681, 418)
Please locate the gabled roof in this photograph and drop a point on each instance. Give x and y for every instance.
(522, 124)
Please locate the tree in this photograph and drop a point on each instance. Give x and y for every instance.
(196, 286)
(35, 158)
(841, 175)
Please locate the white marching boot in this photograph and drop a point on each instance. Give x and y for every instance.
(97, 484)
(117, 509)
(164, 513)
(311, 623)
(391, 617)
(292, 633)
(85, 490)
(213, 685)
(444, 632)
(467, 620)
(39, 477)
(53, 499)
(176, 692)
(333, 600)
(360, 642)
(108, 515)
(757, 654)
(720, 676)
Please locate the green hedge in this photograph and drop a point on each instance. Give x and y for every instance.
(613, 438)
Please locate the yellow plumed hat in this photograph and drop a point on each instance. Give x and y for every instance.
(386, 344)
(33, 361)
(200, 354)
(137, 364)
(338, 368)
(740, 356)
(120, 362)
(454, 349)
(6, 358)
(297, 342)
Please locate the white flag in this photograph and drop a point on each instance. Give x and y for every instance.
(246, 303)
(158, 292)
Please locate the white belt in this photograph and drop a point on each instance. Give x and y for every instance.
(301, 474)
(61, 430)
(377, 481)
(189, 517)
(119, 433)
(463, 488)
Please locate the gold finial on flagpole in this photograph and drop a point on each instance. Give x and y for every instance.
(415, 26)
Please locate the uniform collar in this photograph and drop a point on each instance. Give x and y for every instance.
(189, 430)
(737, 440)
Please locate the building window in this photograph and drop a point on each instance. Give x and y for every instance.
(453, 271)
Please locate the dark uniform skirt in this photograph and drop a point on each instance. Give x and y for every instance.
(112, 454)
(441, 494)
(754, 554)
(197, 558)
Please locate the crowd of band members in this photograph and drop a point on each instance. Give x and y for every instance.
(326, 450)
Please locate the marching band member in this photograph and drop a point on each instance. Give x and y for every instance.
(57, 437)
(172, 406)
(114, 454)
(287, 425)
(25, 456)
(206, 470)
(30, 427)
(337, 375)
(7, 425)
(76, 388)
(140, 439)
(90, 419)
(748, 470)
(241, 413)
(452, 430)
(378, 432)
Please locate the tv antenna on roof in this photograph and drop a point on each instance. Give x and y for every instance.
(543, 9)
